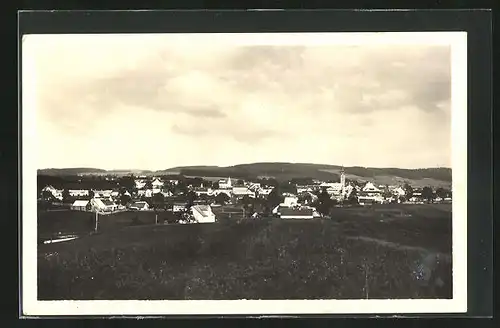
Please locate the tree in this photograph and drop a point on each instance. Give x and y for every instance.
(408, 191)
(191, 197)
(148, 185)
(427, 194)
(353, 197)
(275, 198)
(47, 195)
(66, 196)
(441, 192)
(158, 200)
(324, 203)
(221, 198)
(125, 199)
(215, 185)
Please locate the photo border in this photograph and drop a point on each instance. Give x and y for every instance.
(65, 22)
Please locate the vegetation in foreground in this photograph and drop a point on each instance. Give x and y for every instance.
(381, 255)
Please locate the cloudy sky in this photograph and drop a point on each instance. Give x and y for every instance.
(155, 102)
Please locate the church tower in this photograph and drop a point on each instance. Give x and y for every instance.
(342, 180)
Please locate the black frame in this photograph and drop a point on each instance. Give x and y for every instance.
(477, 23)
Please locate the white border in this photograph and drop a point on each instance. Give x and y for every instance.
(458, 42)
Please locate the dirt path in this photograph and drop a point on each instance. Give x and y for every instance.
(399, 246)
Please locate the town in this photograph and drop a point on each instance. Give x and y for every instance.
(205, 200)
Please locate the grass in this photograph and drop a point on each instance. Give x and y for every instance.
(256, 259)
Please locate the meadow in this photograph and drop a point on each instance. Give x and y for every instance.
(396, 251)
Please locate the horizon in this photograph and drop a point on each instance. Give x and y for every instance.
(108, 99)
(253, 163)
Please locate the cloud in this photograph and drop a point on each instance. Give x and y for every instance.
(246, 98)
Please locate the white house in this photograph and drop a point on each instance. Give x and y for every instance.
(139, 206)
(78, 192)
(203, 214)
(398, 191)
(81, 205)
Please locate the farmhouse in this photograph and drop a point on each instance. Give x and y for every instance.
(81, 205)
(139, 206)
(296, 213)
(203, 214)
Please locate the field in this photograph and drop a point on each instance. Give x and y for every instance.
(375, 252)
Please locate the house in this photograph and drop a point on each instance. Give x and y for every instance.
(78, 192)
(225, 183)
(148, 193)
(203, 214)
(103, 193)
(228, 192)
(179, 207)
(397, 191)
(296, 213)
(140, 183)
(290, 201)
(139, 206)
(370, 188)
(203, 191)
(57, 193)
(103, 205)
(81, 205)
(157, 183)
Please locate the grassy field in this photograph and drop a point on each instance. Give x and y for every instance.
(360, 253)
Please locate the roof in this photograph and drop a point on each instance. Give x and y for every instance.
(204, 210)
(81, 203)
(296, 212)
(107, 202)
(139, 204)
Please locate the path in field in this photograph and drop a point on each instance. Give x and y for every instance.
(398, 246)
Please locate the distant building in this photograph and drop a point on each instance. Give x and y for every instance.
(81, 205)
(225, 183)
(242, 191)
(203, 214)
(78, 192)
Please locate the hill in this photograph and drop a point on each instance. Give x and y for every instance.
(285, 171)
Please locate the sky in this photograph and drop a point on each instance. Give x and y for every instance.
(160, 101)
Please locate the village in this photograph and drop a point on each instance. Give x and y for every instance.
(205, 200)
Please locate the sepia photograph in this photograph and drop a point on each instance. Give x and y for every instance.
(244, 173)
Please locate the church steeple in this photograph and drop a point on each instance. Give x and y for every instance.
(342, 179)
